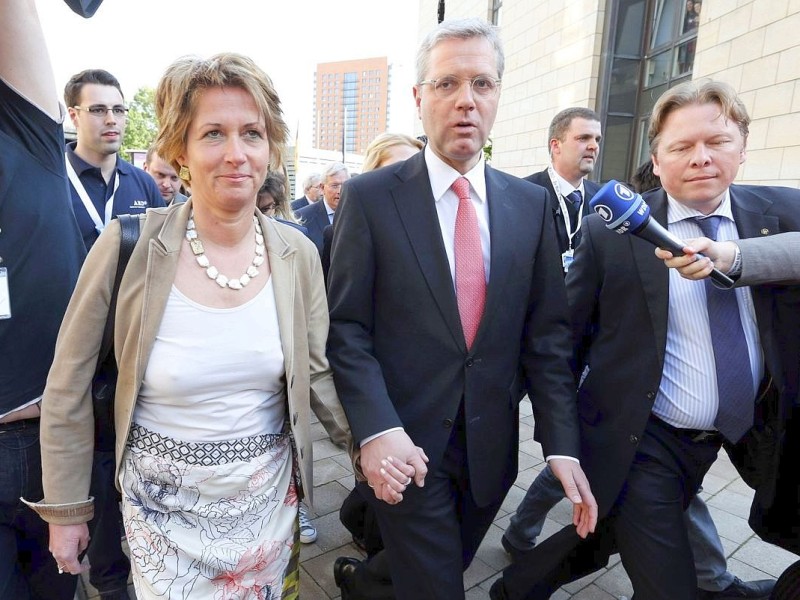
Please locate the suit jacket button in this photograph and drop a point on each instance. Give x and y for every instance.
(448, 423)
(651, 395)
(470, 361)
(634, 439)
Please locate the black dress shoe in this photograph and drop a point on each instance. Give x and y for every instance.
(343, 569)
(751, 590)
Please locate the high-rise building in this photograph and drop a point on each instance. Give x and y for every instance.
(351, 103)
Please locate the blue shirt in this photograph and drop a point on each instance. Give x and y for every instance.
(40, 245)
(136, 192)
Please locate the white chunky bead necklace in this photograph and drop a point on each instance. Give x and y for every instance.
(213, 273)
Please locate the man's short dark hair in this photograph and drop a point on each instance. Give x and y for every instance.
(72, 91)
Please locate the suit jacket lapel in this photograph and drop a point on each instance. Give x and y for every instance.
(281, 262)
(653, 275)
(416, 207)
(502, 228)
(162, 262)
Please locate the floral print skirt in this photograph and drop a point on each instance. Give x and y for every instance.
(211, 521)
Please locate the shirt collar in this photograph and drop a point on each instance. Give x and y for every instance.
(81, 165)
(564, 186)
(676, 211)
(443, 175)
(328, 210)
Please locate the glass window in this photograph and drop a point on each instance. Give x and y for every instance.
(630, 27)
(684, 58)
(495, 11)
(691, 15)
(616, 148)
(624, 85)
(663, 26)
(658, 69)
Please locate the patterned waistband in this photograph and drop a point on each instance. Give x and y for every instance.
(204, 453)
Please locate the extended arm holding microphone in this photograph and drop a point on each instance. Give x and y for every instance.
(625, 211)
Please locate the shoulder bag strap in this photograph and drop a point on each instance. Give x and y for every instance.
(129, 233)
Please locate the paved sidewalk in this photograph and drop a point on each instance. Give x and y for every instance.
(728, 499)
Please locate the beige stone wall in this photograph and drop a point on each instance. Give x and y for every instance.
(755, 46)
(552, 61)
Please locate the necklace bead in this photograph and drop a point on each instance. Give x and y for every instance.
(203, 262)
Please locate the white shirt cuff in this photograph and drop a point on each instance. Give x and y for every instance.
(377, 435)
(549, 458)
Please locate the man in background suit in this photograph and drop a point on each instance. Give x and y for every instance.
(444, 292)
(574, 143)
(658, 397)
(167, 180)
(312, 188)
(319, 215)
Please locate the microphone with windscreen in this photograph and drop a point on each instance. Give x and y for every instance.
(625, 211)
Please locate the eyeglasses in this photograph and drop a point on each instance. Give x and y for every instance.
(101, 110)
(334, 186)
(448, 86)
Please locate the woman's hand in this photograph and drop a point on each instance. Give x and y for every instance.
(67, 542)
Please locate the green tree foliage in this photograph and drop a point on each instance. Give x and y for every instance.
(142, 126)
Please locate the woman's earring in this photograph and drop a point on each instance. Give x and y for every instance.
(184, 173)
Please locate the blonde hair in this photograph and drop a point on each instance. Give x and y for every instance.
(693, 92)
(187, 78)
(378, 149)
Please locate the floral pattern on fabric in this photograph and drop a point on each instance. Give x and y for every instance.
(209, 531)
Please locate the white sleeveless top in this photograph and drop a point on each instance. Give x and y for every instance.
(215, 374)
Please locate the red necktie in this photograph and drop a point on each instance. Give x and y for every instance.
(470, 273)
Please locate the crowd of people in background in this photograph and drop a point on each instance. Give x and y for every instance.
(157, 383)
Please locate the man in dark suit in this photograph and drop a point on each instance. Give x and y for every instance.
(663, 387)
(574, 143)
(319, 215)
(312, 189)
(446, 299)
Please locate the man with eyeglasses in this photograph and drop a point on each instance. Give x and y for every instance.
(103, 185)
(446, 301)
(319, 215)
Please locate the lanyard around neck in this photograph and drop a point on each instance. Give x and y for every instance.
(99, 224)
(563, 206)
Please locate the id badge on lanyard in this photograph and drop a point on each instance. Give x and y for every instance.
(5, 296)
(566, 259)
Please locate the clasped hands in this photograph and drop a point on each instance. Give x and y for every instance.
(391, 462)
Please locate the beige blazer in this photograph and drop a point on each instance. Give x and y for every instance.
(67, 429)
